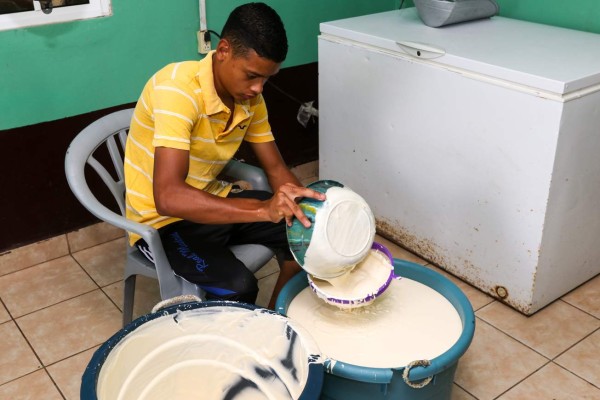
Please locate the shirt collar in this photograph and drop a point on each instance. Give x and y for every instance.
(212, 101)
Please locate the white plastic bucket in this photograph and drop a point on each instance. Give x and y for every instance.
(209, 350)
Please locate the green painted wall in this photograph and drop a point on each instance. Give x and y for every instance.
(58, 71)
(583, 15)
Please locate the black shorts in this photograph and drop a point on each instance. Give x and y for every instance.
(200, 253)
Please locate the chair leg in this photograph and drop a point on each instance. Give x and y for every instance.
(128, 294)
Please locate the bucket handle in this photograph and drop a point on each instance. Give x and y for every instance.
(416, 363)
(184, 298)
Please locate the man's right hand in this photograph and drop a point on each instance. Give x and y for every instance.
(283, 203)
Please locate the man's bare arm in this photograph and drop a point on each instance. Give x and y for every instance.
(175, 198)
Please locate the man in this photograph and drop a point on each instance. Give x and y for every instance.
(188, 123)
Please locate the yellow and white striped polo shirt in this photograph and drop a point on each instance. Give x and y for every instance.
(179, 108)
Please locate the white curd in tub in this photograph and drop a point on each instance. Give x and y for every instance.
(209, 353)
(408, 322)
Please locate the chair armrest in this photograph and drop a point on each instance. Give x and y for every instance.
(249, 173)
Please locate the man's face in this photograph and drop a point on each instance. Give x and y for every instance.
(242, 77)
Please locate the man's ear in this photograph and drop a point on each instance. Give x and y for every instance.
(223, 50)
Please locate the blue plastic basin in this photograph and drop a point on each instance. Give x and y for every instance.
(344, 381)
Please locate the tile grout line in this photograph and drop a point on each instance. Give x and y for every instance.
(41, 363)
(524, 379)
(97, 284)
(32, 372)
(87, 273)
(68, 252)
(513, 338)
(571, 347)
(577, 307)
(573, 373)
(35, 265)
(14, 321)
(96, 243)
(110, 299)
(57, 303)
(466, 391)
(550, 360)
(531, 348)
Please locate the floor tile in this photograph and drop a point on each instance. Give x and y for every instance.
(34, 386)
(147, 295)
(509, 358)
(26, 256)
(105, 262)
(459, 394)
(399, 252)
(550, 331)
(93, 235)
(494, 363)
(584, 359)
(586, 297)
(552, 382)
(16, 357)
(67, 373)
(42, 285)
(4, 316)
(265, 289)
(70, 327)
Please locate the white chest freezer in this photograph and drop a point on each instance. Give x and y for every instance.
(476, 145)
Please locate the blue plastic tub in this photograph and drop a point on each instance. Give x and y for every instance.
(344, 381)
(311, 390)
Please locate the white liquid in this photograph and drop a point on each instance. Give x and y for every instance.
(205, 354)
(342, 235)
(364, 280)
(408, 322)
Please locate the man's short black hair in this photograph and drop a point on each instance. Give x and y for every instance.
(258, 27)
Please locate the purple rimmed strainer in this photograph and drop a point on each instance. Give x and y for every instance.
(349, 303)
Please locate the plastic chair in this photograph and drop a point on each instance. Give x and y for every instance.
(110, 131)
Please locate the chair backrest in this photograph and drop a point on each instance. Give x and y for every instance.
(110, 130)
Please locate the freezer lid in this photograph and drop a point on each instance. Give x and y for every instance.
(541, 57)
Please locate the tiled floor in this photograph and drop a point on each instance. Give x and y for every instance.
(61, 299)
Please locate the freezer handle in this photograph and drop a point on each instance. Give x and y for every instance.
(421, 50)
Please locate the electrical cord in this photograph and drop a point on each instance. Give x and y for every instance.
(283, 92)
(207, 35)
(401, 4)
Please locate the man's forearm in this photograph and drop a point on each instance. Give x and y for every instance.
(191, 204)
(280, 177)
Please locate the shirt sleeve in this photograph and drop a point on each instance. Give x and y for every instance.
(259, 130)
(175, 111)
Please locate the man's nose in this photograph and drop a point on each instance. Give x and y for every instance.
(257, 87)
